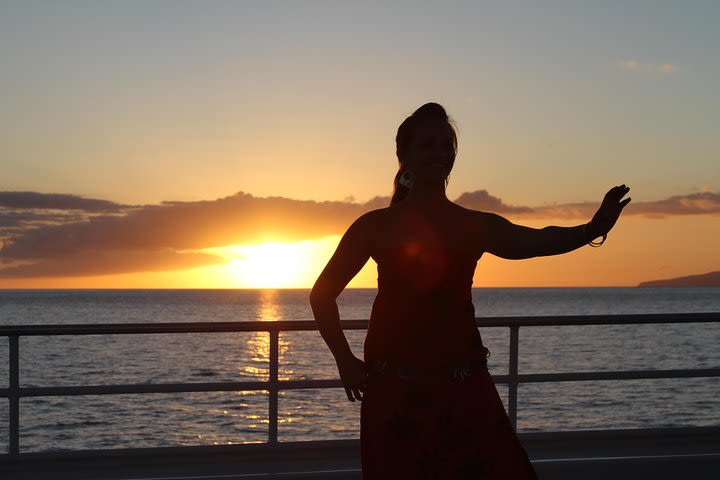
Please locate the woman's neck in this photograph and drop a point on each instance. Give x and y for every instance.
(427, 194)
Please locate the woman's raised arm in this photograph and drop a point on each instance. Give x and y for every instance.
(505, 239)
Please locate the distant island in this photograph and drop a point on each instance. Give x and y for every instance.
(711, 279)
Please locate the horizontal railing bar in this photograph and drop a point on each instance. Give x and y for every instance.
(618, 375)
(310, 325)
(176, 388)
(141, 388)
(565, 320)
(173, 388)
(337, 383)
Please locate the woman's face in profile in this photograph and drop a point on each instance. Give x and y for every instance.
(430, 154)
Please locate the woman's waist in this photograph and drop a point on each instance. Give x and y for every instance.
(422, 315)
(386, 366)
(398, 292)
(422, 329)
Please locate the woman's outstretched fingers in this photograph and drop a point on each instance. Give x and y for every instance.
(615, 194)
(623, 192)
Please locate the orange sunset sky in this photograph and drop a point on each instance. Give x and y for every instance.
(214, 145)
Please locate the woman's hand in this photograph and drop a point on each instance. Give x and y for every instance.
(353, 373)
(609, 211)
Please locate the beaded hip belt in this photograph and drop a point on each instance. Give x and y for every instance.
(383, 368)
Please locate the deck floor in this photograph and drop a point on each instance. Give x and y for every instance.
(617, 455)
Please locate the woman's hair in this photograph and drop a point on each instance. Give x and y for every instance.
(406, 134)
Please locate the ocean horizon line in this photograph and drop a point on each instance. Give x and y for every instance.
(556, 287)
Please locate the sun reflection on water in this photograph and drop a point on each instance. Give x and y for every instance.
(258, 345)
(269, 307)
(242, 417)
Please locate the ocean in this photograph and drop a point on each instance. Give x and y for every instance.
(154, 420)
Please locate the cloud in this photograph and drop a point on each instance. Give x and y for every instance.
(482, 200)
(170, 235)
(144, 238)
(238, 219)
(22, 210)
(109, 262)
(692, 204)
(34, 200)
(33, 217)
(633, 65)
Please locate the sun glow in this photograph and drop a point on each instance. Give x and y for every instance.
(268, 265)
(276, 264)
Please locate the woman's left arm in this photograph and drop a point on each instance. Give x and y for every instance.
(508, 240)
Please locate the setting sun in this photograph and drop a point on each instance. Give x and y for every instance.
(276, 264)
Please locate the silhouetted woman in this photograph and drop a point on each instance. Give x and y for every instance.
(429, 406)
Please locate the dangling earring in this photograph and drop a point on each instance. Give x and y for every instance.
(407, 179)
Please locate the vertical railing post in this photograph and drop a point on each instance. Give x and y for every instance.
(513, 374)
(273, 392)
(14, 395)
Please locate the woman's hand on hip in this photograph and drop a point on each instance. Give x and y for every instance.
(353, 374)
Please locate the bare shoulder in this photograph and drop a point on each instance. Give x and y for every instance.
(367, 225)
(372, 219)
(484, 229)
(478, 218)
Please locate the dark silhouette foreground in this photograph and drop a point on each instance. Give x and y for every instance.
(429, 406)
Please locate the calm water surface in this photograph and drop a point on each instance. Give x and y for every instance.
(120, 421)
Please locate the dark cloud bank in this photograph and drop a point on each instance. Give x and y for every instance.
(47, 235)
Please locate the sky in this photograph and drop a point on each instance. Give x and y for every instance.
(179, 144)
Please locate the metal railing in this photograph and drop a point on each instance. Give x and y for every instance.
(273, 385)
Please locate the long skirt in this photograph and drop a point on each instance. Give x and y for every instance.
(439, 428)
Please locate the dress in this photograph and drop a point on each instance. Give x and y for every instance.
(431, 409)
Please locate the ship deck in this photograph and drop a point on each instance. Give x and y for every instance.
(618, 454)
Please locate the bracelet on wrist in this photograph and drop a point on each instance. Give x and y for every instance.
(591, 241)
